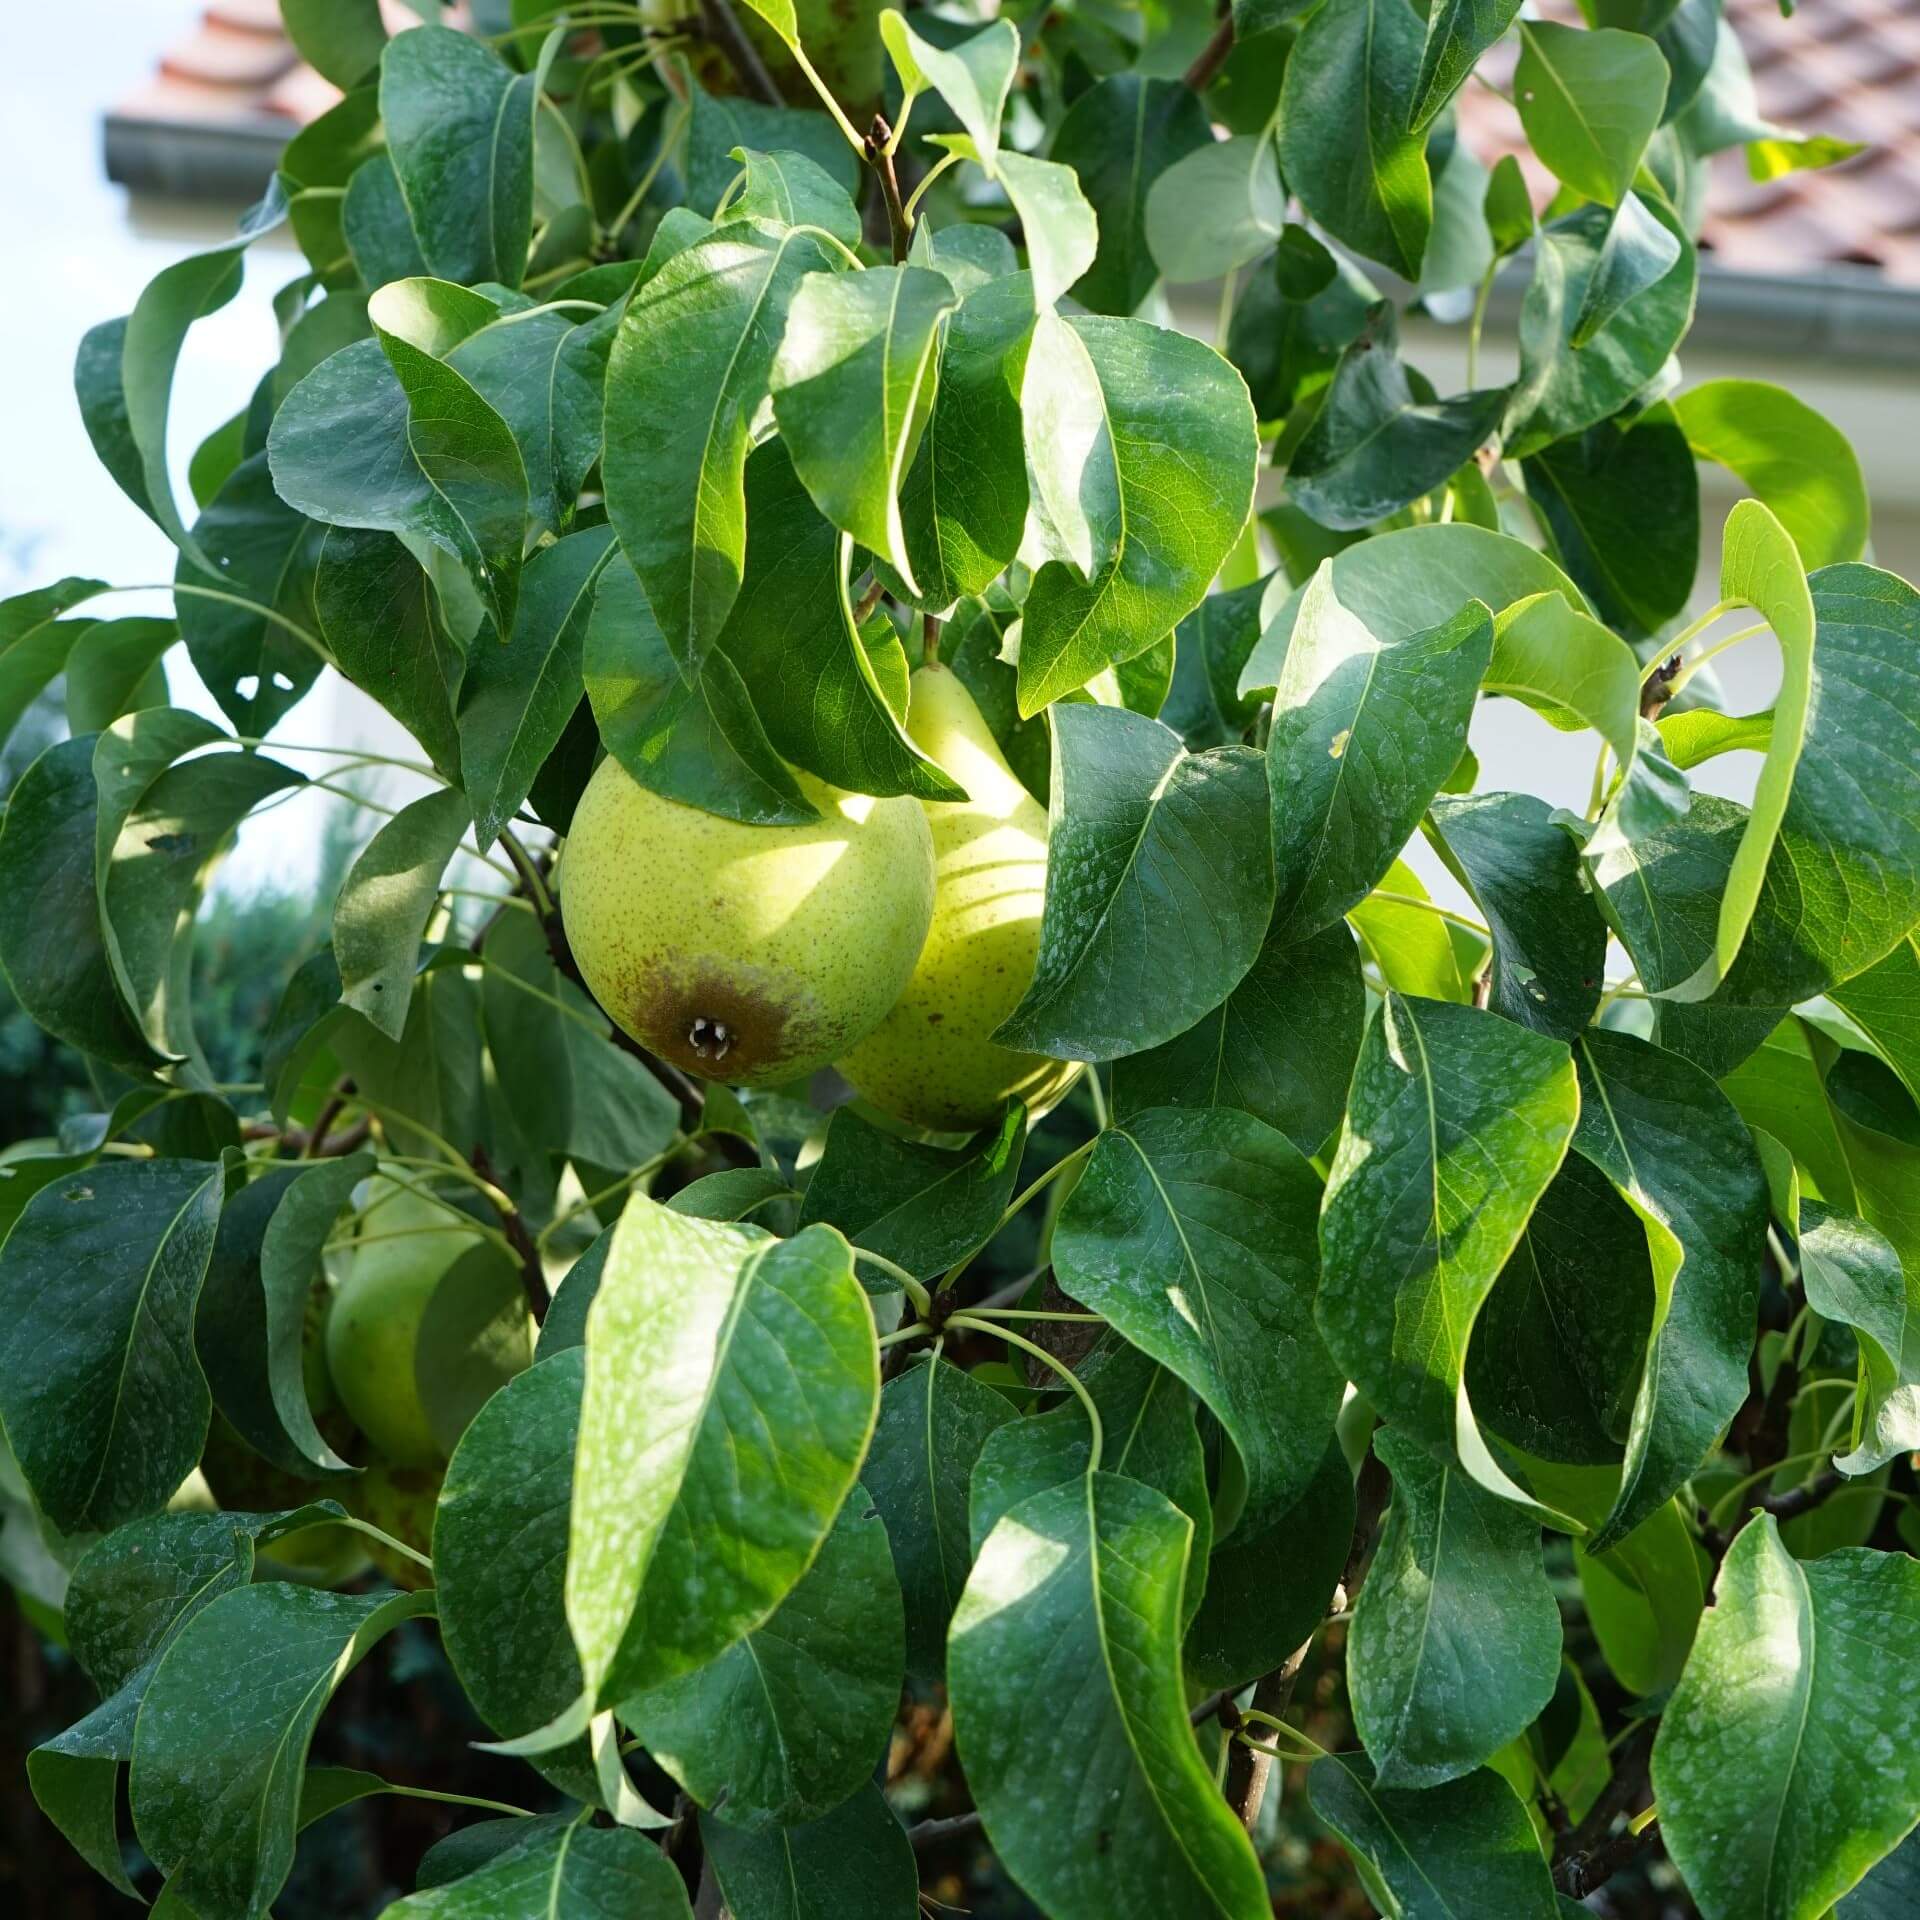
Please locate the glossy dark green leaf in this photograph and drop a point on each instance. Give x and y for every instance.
(724, 123)
(1557, 1349)
(1192, 1232)
(381, 915)
(1783, 1766)
(790, 1721)
(1637, 253)
(934, 1421)
(689, 369)
(1281, 1046)
(114, 668)
(1269, 1587)
(1564, 390)
(852, 387)
(459, 126)
(1661, 890)
(375, 225)
(1099, 1805)
(1623, 504)
(1549, 941)
(1157, 886)
(123, 375)
(1455, 1642)
(704, 744)
(856, 1863)
(790, 190)
(1164, 488)
(375, 609)
(1445, 1853)
(1148, 1434)
(220, 1745)
(1291, 324)
(1889, 1890)
(1589, 100)
(104, 1404)
(1884, 1002)
(1854, 1275)
(1680, 1156)
(1353, 82)
(1119, 137)
(829, 695)
(732, 1386)
(578, 1872)
(35, 642)
(1211, 645)
(515, 700)
(1366, 726)
(1456, 1123)
(1375, 445)
(384, 436)
(922, 1207)
(1458, 33)
(251, 1321)
(342, 40)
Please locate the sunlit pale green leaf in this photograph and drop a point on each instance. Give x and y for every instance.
(1589, 101)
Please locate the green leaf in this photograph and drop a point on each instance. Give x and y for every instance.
(1056, 222)
(963, 501)
(1374, 446)
(103, 1403)
(1211, 646)
(1589, 100)
(221, 1742)
(1281, 1046)
(1351, 87)
(1884, 1003)
(1458, 33)
(515, 700)
(689, 369)
(973, 76)
(1622, 502)
(724, 124)
(1564, 389)
(575, 1872)
(1549, 942)
(1171, 468)
(922, 1207)
(1783, 1767)
(1365, 729)
(123, 375)
(1191, 1231)
(1119, 137)
(1794, 459)
(702, 745)
(375, 226)
(1644, 1598)
(35, 642)
(1456, 1123)
(342, 40)
(381, 915)
(934, 1421)
(375, 609)
(1447, 1853)
(852, 387)
(459, 127)
(251, 1322)
(384, 436)
(1889, 1890)
(1085, 1579)
(1680, 1156)
(1853, 1275)
(114, 668)
(854, 1864)
(732, 1387)
(1455, 1642)
(261, 549)
(1636, 254)
(1215, 209)
(1269, 1588)
(787, 1723)
(1157, 886)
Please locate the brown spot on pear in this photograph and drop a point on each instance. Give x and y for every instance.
(931, 1060)
(748, 954)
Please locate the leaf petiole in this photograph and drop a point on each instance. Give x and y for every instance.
(1060, 1367)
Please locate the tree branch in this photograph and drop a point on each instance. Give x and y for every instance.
(722, 26)
(926, 1832)
(1213, 56)
(1579, 1856)
(880, 159)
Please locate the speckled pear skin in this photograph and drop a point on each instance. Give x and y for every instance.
(752, 955)
(930, 1061)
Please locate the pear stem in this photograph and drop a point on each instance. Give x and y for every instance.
(930, 640)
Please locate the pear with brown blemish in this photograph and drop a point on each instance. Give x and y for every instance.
(752, 955)
(931, 1061)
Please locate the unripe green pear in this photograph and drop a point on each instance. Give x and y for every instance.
(747, 954)
(400, 1501)
(242, 1482)
(931, 1060)
(407, 1244)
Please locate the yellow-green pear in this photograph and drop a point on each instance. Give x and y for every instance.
(931, 1061)
(747, 954)
(407, 1242)
(401, 1501)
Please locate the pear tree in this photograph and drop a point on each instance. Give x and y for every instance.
(972, 1206)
